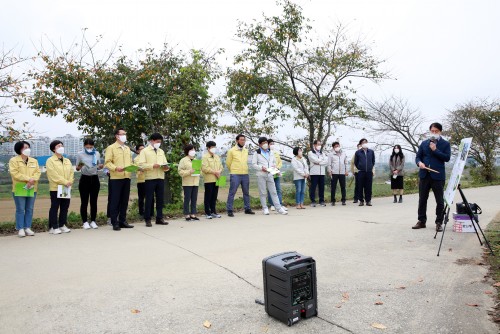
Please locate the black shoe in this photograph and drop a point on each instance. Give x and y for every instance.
(400, 199)
(355, 201)
(126, 225)
(333, 203)
(361, 203)
(439, 227)
(148, 223)
(188, 219)
(230, 213)
(116, 228)
(249, 212)
(343, 202)
(194, 218)
(395, 200)
(418, 225)
(160, 221)
(369, 203)
(322, 204)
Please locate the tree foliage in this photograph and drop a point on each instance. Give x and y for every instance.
(395, 121)
(480, 120)
(163, 91)
(288, 73)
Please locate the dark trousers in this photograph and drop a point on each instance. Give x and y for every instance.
(190, 197)
(119, 192)
(365, 180)
(108, 211)
(141, 193)
(424, 186)
(341, 180)
(61, 205)
(356, 186)
(154, 189)
(89, 187)
(317, 181)
(210, 201)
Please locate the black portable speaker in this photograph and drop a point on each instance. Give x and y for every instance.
(290, 292)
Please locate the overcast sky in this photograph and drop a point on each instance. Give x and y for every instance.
(442, 52)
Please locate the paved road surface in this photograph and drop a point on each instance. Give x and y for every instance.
(179, 276)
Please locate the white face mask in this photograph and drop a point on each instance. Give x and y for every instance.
(365, 145)
(265, 146)
(213, 150)
(337, 149)
(396, 150)
(156, 145)
(192, 153)
(271, 147)
(60, 150)
(434, 136)
(122, 138)
(89, 150)
(27, 152)
(318, 148)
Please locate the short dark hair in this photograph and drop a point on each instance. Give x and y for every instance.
(296, 150)
(138, 146)
(362, 140)
(211, 143)
(54, 144)
(88, 141)
(188, 148)
(335, 143)
(239, 136)
(269, 141)
(316, 141)
(20, 145)
(156, 136)
(262, 139)
(117, 131)
(437, 126)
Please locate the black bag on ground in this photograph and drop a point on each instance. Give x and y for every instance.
(461, 210)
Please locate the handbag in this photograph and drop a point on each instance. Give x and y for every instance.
(461, 210)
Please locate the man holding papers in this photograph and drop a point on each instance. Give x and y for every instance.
(118, 157)
(211, 166)
(264, 162)
(153, 162)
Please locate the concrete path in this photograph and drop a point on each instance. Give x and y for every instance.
(179, 276)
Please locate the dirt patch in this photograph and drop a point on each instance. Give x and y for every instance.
(471, 261)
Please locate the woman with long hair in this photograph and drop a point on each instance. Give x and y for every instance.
(397, 164)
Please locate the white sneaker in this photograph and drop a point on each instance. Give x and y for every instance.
(284, 207)
(64, 229)
(283, 211)
(29, 232)
(273, 208)
(56, 231)
(93, 225)
(265, 211)
(216, 215)
(86, 226)
(21, 233)
(208, 216)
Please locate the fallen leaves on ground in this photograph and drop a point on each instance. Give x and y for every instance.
(378, 326)
(420, 279)
(135, 311)
(488, 292)
(345, 296)
(473, 305)
(207, 324)
(379, 303)
(496, 284)
(450, 249)
(402, 287)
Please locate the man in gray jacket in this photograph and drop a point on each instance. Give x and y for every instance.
(264, 162)
(337, 168)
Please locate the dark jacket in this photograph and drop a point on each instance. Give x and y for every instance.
(433, 159)
(364, 161)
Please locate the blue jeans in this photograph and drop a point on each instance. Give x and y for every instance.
(24, 211)
(234, 182)
(277, 183)
(300, 190)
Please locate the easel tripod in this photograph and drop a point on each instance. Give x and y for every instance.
(472, 217)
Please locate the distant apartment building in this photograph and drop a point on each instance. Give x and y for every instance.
(72, 145)
(41, 146)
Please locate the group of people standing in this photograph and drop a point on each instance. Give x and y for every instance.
(152, 165)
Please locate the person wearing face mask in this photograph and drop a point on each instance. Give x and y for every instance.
(354, 172)
(25, 170)
(211, 167)
(263, 160)
(364, 159)
(141, 182)
(432, 153)
(277, 178)
(396, 165)
(190, 183)
(319, 163)
(237, 163)
(59, 172)
(337, 168)
(117, 157)
(153, 162)
(300, 175)
(88, 163)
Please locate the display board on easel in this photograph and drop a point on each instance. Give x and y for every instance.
(458, 168)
